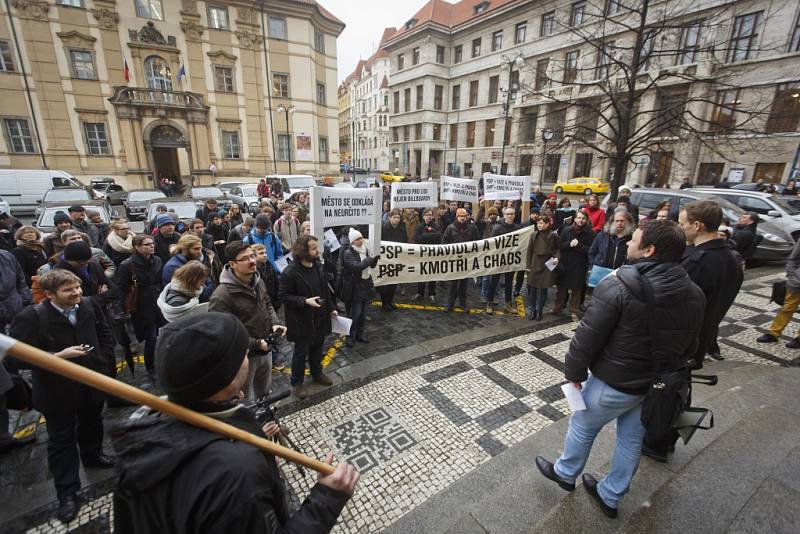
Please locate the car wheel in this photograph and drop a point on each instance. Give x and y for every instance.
(796, 235)
(559, 190)
(587, 191)
(254, 207)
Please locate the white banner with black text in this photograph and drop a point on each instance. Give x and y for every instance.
(403, 263)
(414, 195)
(500, 187)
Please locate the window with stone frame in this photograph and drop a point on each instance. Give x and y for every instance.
(418, 131)
(458, 54)
(453, 135)
(439, 54)
(497, 40)
(319, 42)
(415, 56)
(70, 3)
(223, 78)
(557, 121)
(407, 99)
(437, 132)
(476, 47)
(82, 63)
(396, 102)
(691, 39)
(542, 79)
(231, 147)
(494, 88)
(280, 85)
(284, 146)
(322, 147)
(724, 113)
(571, 66)
(96, 139)
(149, 9)
(613, 7)
(488, 134)
(470, 134)
(322, 99)
(218, 17)
(157, 73)
(18, 136)
(578, 13)
(420, 97)
(520, 31)
(527, 127)
(784, 116)
(6, 57)
(473, 93)
(745, 35)
(277, 29)
(401, 60)
(438, 97)
(548, 24)
(456, 98)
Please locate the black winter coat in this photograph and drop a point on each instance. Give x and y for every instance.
(713, 267)
(298, 283)
(352, 266)
(454, 234)
(396, 234)
(613, 338)
(162, 245)
(574, 261)
(609, 250)
(148, 280)
(14, 292)
(30, 260)
(52, 332)
(178, 478)
(116, 257)
(428, 234)
(746, 241)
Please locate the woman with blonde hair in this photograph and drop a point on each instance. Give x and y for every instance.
(182, 295)
(189, 247)
(119, 243)
(29, 251)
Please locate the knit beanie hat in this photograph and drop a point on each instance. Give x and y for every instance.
(60, 216)
(262, 221)
(77, 251)
(199, 355)
(163, 219)
(354, 234)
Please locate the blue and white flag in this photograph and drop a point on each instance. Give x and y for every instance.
(181, 73)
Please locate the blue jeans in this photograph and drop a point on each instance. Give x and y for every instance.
(358, 314)
(537, 298)
(483, 282)
(508, 287)
(604, 404)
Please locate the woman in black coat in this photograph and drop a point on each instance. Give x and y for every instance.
(29, 251)
(143, 269)
(574, 242)
(358, 288)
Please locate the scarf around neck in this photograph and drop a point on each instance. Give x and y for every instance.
(362, 253)
(119, 244)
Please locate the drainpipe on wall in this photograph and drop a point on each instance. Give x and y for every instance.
(27, 86)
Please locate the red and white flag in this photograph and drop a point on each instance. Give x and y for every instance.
(126, 70)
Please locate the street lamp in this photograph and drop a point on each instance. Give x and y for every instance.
(547, 135)
(518, 62)
(287, 111)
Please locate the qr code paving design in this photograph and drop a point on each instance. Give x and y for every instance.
(371, 439)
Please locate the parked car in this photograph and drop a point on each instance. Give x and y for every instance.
(61, 195)
(136, 202)
(586, 185)
(5, 207)
(202, 193)
(23, 189)
(246, 196)
(392, 177)
(44, 221)
(292, 183)
(775, 245)
(184, 208)
(752, 186)
(771, 208)
(227, 186)
(109, 190)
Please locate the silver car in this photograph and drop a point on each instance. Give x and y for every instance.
(246, 196)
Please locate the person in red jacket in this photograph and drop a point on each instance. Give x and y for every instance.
(597, 217)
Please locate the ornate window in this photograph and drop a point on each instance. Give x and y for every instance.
(18, 136)
(158, 73)
(82, 64)
(149, 9)
(96, 138)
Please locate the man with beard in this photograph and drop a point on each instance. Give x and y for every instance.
(188, 248)
(165, 237)
(461, 231)
(609, 248)
(506, 227)
(427, 233)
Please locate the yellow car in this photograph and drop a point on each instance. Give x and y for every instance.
(586, 185)
(392, 177)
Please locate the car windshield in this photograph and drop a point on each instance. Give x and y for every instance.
(729, 209)
(140, 196)
(229, 186)
(300, 181)
(250, 190)
(206, 192)
(185, 210)
(46, 218)
(789, 207)
(61, 195)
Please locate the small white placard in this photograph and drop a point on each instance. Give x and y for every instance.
(330, 241)
(551, 264)
(341, 325)
(574, 397)
(5, 344)
(282, 263)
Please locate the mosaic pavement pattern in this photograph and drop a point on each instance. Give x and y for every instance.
(416, 428)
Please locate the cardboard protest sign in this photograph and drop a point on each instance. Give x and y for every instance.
(499, 187)
(331, 206)
(414, 195)
(458, 189)
(403, 263)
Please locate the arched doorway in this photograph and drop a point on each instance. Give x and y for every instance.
(169, 154)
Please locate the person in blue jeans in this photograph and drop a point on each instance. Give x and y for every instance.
(613, 341)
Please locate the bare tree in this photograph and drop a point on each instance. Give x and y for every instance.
(639, 76)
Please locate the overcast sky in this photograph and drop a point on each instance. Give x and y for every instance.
(365, 22)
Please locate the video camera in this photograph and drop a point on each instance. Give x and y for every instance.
(262, 406)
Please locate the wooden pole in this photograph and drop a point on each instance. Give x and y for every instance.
(63, 367)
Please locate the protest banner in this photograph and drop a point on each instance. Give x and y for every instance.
(458, 189)
(414, 195)
(499, 187)
(403, 263)
(331, 206)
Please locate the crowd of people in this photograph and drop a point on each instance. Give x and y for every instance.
(265, 280)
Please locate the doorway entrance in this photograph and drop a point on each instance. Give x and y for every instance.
(169, 154)
(166, 162)
(660, 169)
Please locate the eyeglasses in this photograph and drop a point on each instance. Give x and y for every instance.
(251, 257)
(124, 228)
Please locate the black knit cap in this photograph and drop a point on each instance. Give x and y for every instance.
(199, 355)
(77, 251)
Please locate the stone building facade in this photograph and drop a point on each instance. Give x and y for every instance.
(138, 89)
(452, 66)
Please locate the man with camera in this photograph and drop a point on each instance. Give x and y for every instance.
(71, 327)
(242, 293)
(175, 477)
(310, 305)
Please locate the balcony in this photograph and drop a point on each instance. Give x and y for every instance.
(157, 98)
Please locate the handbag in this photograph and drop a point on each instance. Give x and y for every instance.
(131, 297)
(668, 393)
(597, 274)
(778, 295)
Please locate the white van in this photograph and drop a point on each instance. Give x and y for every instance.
(292, 183)
(24, 189)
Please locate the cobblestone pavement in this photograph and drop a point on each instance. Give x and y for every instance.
(415, 427)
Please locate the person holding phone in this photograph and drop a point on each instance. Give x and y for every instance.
(68, 326)
(310, 306)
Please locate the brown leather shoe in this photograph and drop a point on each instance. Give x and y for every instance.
(323, 379)
(299, 391)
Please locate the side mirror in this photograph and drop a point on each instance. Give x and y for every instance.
(774, 213)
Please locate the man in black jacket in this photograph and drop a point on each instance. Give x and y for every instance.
(427, 233)
(711, 266)
(614, 342)
(745, 236)
(394, 230)
(310, 306)
(69, 327)
(165, 237)
(460, 231)
(506, 227)
(175, 477)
